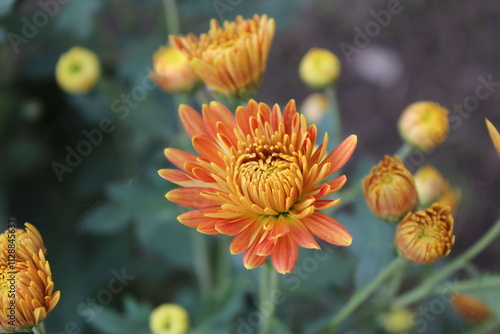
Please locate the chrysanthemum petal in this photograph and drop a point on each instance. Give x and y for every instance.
(233, 227)
(328, 229)
(178, 157)
(190, 197)
(285, 255)
(495, 136)
(207, 149)
(195, 218)
(341, 154)
(251, 259)
(192, 121)
(301, 235)
(178, 177)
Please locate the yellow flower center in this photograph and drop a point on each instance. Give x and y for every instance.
(267, 175)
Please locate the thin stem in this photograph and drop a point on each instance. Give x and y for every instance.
(268, 284)
(223, 265)
(39, 329)
(491, 325)
(333, 108)
(201, 266)
(426, 287)
(404, 151)
(360, 296)
(171, 17)
(393, 285)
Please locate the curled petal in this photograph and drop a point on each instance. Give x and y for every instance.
(341, 154)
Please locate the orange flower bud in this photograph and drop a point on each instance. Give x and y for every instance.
(470, 308)
(424, 125)
(173, 71)
(389, 190)
(25, 280)
(426, 235)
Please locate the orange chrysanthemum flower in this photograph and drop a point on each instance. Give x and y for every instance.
(25, 280)
(231, 59)
(390, 190)
(426, 235)
(258, 177)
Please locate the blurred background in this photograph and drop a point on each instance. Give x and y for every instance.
(106, 215)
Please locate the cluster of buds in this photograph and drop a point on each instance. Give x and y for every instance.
(391, 192)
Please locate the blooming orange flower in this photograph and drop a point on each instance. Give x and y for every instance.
(390, 190)
(426, 235)
(231, 59)
(25, 280)
(258, 177)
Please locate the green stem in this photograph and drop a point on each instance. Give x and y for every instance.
(171, 17)
(360, 296)
(268, 284)
(201, 266)
(333, 108)
(426, 287)
(491, 325)
(393, 285)
(404, 151)
(39, 329)
(223, 265)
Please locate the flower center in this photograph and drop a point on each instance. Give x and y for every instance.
(273, 181)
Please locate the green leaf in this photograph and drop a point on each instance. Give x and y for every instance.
(77, 17)
(6, 7)
(134, 319)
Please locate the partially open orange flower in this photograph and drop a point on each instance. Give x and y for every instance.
(231, 59)
(25, 280)
(258, 177)
(426, 235)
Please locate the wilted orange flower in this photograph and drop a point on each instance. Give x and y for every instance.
(471, 308)
(258, 177)
(231, 59)
(426, 235)
(424, 125)
(390, 190)
(25, 280)
(173, 71)
(495, 136)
